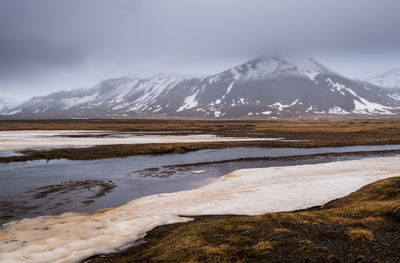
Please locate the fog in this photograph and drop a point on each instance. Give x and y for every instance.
(49, 45)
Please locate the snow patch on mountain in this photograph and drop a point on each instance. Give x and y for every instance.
(265, 86)
(189, 102)
(229, 88)
(338, 110)
(71, 102)
(307, 66)
(281, 106)
(395, 96)
(366, 107)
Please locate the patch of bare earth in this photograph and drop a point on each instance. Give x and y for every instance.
(57, 198)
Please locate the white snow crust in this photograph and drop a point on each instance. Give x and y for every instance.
(72, 237)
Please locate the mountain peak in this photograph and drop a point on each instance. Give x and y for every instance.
(267, 67)
(271, 87)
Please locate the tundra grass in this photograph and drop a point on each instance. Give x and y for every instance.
(362, 227)
(311, 133)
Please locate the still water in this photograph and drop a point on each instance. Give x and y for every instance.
(127, 174)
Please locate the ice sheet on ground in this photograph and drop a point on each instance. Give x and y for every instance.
(46, 139)
(10, 154)
(71, 237)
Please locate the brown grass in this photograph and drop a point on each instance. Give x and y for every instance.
(282, 231)
(263, 247)
(317, 134)
(333, 233)
(361, 236)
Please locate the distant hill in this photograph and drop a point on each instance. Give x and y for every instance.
(265, 87)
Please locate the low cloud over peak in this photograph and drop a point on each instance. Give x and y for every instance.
(47, 45)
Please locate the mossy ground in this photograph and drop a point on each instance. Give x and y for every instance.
(313, 235)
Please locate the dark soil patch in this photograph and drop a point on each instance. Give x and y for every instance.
(57, 198)
(169, 170)
(98, 188)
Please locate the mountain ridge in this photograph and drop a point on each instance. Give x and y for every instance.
(270, 87)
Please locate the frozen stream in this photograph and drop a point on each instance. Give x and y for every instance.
(72, 237)
(12, 141)
(17, 178)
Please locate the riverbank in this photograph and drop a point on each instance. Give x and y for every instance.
(73, 186)
(257, 191)
(361, 227)
(304, 134)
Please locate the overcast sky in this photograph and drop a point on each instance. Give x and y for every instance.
(49, 45)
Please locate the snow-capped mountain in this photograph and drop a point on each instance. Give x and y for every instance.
(389, 79)
(267, 87)
(7, 103)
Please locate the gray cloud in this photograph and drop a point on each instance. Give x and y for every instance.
(46, 45)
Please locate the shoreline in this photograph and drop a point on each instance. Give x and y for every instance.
(310, 134)
(279, 237)
(53, 199)
(103, 225)
(127, 150)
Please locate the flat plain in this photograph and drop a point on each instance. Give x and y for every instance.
(360, 227)
(309, 134)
